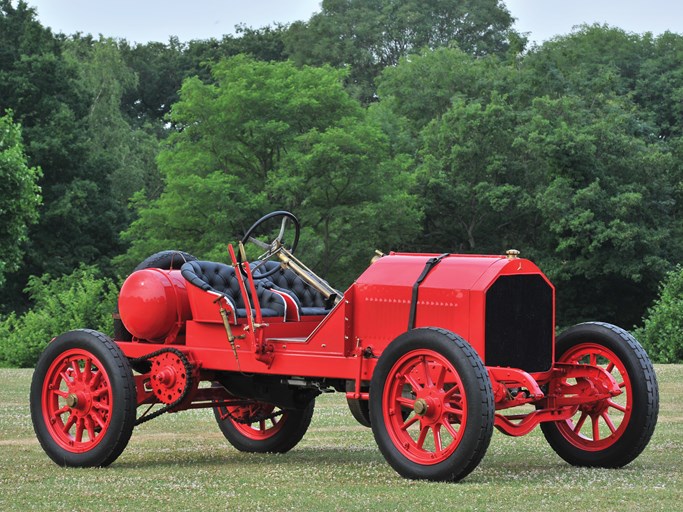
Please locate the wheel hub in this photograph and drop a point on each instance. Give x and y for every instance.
(421, 407)
(72, 400)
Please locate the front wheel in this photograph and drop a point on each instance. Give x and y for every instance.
(610, 432)
(259, 427)
(431, 405)
(83, 400)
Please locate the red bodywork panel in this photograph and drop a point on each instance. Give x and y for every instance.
(373, 312)
(452, 296)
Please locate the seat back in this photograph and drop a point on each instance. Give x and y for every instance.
(309, 300)
(220, 278)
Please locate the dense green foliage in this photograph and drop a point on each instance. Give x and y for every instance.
(662, 332)
(82, 298)
(398, 125)
(20, 196)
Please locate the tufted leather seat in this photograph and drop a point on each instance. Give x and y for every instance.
(309, 300)
(219, 278)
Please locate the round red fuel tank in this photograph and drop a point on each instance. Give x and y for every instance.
(152, 302)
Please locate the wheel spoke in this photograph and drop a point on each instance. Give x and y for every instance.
(99, 392)
(441, 377)
(77, 370)
(259, 243)
(87, 374)
(436, 429)
(453, 410)
(593, 359)
(61, 411)
(413, 383)
(283, 226)
(409, 423)
(69, 423)
(596, 427)
(449, 395)
(406, 402)
(61, 393)
(262, 425)
(102, 407)
(96, 415)
(582, 420)
(423, 435)
(80, 425)
(425, 369)
(450, 429)
(66, 378)
(610, 367)
(608, 420)
(90, 427)
(616, 406)
(95, 381)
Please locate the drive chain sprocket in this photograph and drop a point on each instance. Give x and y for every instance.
(189, 381)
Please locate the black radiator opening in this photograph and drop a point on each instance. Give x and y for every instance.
(519, 323)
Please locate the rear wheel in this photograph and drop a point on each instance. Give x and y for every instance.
(263, 428)
(431, 405)
(83, 400)
(609, 432)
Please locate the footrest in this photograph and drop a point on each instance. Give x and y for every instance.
(286, 340)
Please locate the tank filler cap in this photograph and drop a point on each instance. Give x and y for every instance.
(512, 254)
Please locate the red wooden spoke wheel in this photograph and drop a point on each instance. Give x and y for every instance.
(76, 400)
(427, 385)
(600, 424)
(610, 432)
(431, 405)
(83, 400)
(261, 427)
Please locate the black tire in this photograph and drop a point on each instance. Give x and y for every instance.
(109, 398)
(641, 393)
(166, 260)
(360, 409)
(284, 433)
(464, 391)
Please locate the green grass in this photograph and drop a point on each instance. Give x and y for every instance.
(182, 462)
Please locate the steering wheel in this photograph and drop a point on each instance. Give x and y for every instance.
(274, 247)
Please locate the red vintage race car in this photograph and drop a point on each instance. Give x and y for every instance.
(432, 351)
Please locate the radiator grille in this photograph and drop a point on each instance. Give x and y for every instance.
(519, 323)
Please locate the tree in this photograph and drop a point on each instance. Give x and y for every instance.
(19, 196)
(240, 134)
(476, 192)
(350, 194)
(371, 35)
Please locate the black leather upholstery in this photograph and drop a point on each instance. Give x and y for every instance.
(309, 300)
(221, 278)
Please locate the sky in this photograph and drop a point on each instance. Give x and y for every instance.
(142, 21)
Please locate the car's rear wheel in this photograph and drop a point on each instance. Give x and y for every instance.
(263, 428)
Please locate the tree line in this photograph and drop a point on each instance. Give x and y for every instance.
(414, 125)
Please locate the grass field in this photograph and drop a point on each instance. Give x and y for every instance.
(182, 462)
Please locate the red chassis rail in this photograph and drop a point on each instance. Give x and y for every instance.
(569, 385)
